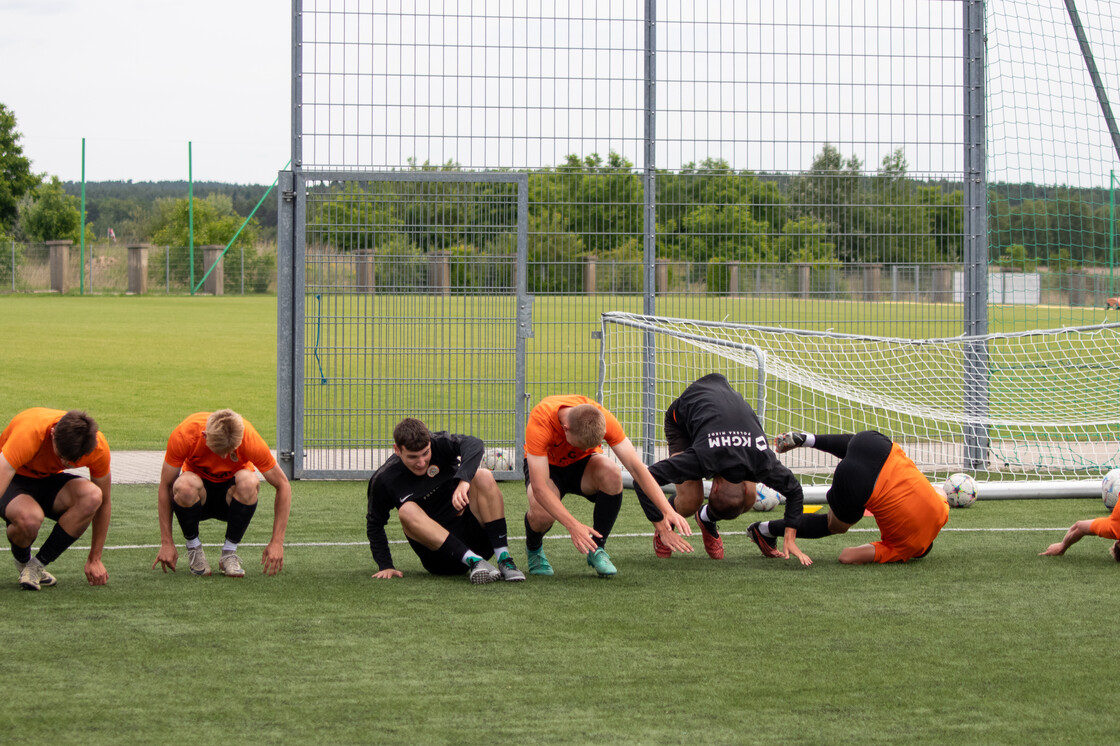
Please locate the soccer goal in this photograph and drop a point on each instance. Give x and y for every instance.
(1038, 411)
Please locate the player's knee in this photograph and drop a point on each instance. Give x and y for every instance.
(608, 478)
(410, 515)
(26, 522)
(484, 480)
(87, 499)
(187, 490)
(246, 489)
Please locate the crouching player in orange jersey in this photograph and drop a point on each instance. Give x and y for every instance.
(208, 472)
(35, 449)
(1105, 527)
(876, 475)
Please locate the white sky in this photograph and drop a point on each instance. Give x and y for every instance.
(139, 79)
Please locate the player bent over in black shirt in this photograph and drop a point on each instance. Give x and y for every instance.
(713, 433)
(451, 510)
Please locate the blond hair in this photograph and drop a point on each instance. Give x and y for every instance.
(586, 426)
(224, 431)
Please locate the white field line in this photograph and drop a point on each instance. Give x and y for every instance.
(560, 537)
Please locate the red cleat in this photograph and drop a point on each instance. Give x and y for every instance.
(762, 542)
(659, 547)
(713, 543)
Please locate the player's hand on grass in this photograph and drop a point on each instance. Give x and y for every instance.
(459, 499)
(671, 538)
(96, 573)
(168, 557)
(273, 558)
(583, 537)
(792, 548)
(392, 572)
(1054, 550)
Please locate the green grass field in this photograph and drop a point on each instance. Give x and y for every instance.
(981, 642)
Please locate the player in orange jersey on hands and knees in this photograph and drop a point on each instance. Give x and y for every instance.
(35, 449)
(563, 454)
(874, 474)
(712, 432)
(1106, 527)
(209, 471)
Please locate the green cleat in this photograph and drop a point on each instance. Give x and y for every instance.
(509, 571)
(538, 563)
(601, 561)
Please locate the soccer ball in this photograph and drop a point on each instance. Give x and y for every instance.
(497, 459)
(960, 490)
(768, 498)
(1110, 488)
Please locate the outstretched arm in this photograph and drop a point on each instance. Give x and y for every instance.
(95, 570)
(1075, 533)
(546, 496)
(645, 483)
(273, 556)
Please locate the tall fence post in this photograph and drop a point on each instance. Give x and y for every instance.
(138, 268)
(212, 257)
(60, 265)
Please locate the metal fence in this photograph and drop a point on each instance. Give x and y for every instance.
(147, 269)
(909, 168)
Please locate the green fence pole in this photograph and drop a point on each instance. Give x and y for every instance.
(235, 235)
(82, 228)
(190, 211)
(1111, 232)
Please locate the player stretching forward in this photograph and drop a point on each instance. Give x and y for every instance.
(431, 480)
(564, 454)
(209, 471)
(1104, 527)
(35, 448)
(874, 474)
(713, 433)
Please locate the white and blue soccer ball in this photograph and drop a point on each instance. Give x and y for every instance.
(960, 490)
(768, 498)
(1110, 488)
(498, 459)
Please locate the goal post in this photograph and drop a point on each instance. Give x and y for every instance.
(1048, 423)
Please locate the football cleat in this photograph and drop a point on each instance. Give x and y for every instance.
(31, 576)
(788, 441)
(659, 547)
(482, 571)
(765, 544)
(538, 563)
(508, 570)
(601, 561)
(713, 542)
(196, 560)
(230, 564)
(46, 580)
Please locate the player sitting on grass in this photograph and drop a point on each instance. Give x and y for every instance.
(432, 480)
(564, 454)
(209, 471)
(713, 433)
(1105, 527)
(35, 448)
(875, 475)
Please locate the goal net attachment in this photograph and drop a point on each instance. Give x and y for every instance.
(1034, 406)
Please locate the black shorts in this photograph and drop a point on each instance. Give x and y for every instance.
(468, 530)
(676, 438)
(855, 476)
(43, 490)
(566, 478)
(216, 505)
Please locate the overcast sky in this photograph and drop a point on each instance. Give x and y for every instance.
(139, 79)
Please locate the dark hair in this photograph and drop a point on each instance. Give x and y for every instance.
(411, 434)
(75, 435)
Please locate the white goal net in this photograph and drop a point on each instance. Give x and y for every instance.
(1031, 406)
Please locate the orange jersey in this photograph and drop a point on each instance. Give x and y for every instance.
(27, 445)
(1108, 528)
(544, 435)
(187, 450)
(909, 510)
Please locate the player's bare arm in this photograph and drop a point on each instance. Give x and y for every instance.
(96, 574)
(460, 499)
(1076, 533)
(671, 521)
(273, 556)
(545, 495)
(168, 556)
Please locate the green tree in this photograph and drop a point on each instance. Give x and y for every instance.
(830, 192)
(16, 178)
(215, 223)
(51, 214)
